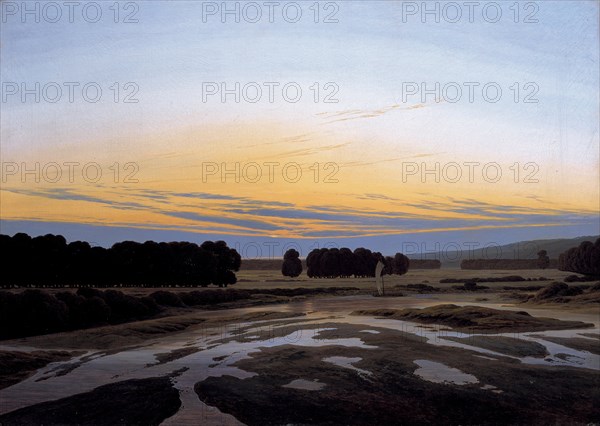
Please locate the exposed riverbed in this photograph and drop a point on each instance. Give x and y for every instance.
(203, 352)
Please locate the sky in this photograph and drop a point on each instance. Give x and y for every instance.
(346, 123)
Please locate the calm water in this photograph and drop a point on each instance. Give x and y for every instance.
(215, 357)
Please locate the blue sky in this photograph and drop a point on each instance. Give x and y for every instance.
(370, 134)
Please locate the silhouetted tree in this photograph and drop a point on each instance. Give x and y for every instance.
(292, 266)
(330, 263)
(543, 261)
(313, 263)
(401, 264)
(584, 259)
(226, 261)
(363, 260)
(389, 265)
(346, 262)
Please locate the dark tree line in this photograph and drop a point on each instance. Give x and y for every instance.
(292, 265)
(344, 263)
(542, 262)
(584, 259)
(509, 264)
(48, 261)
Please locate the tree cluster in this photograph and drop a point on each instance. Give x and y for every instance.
(397, 265)
(584, 259)
(48, 261)
(344, 263)
(292, 265)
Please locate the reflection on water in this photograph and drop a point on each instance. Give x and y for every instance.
(437, 372)
(219, 348)
(346, 362)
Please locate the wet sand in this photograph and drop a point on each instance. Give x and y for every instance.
(133, 402)
(403, 379)
(591, 345)
(16, 366)
(504, 345)
(313, 362)
(475, 318)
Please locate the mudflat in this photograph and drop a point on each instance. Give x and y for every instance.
(430, 352)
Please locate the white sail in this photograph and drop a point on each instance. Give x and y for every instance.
(379, 277)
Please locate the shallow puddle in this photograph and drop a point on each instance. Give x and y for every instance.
(218, 350)
(346, 362)
(435, 336)
(437, 372)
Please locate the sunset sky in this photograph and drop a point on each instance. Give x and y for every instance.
(369, 147)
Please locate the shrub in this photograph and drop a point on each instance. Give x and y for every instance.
(151, 304)
(470, 285)
(166, 298)
(578, 279)
(42, 313)
(123, 307)
(10, 315)
(95, 312)
(557, 289)
(90, 292)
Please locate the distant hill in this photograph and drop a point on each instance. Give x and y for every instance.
(519, 250)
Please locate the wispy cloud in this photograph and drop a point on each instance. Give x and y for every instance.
(230, 214)
(356, 114)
